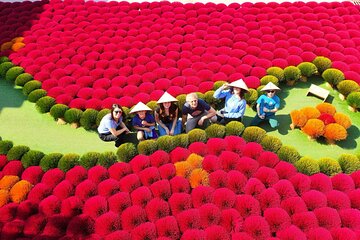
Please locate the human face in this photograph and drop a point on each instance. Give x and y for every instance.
(141, 114)
(193, 102)
(167, 104)
(117, 113)
(270, 93)
(237, 90)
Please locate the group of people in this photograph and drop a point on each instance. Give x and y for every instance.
(195, 113)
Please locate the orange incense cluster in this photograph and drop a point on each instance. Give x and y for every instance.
(13, 189)
(15, 44)
(192, 170)
(322, 120)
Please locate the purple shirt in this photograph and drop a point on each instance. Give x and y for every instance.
(136, 121)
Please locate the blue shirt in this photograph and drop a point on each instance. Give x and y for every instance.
(136, 121)
(269, 103)
(234, 106)
(149, 118)
(200, 108)
(107, 123)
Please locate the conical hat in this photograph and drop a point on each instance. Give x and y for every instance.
(239, 84)
(166, 97)
(270, 86)
(140, 107)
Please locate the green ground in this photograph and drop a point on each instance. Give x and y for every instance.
(24, 125)
(295, 98)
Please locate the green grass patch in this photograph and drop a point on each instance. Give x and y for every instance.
(295, 98)
(24, 125)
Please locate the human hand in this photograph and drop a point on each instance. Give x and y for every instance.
(262, 116)
(167, 131)
(266, 110)
(143, 122)
(171, 132)
(201, 120)
(148, 129)
(120, 131)
(225, 85)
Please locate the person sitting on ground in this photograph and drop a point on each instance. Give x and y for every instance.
(196, 113)
(235, 104)
(267, 105)
(143, 122)
(112, 127)
(166, 116)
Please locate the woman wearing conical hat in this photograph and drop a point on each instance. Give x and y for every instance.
(143, 122)
(166, 115)
(267, 105)
(235, 104)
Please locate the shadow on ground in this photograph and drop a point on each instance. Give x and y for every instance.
(283, 129)
(350, 143)
(10, 97)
